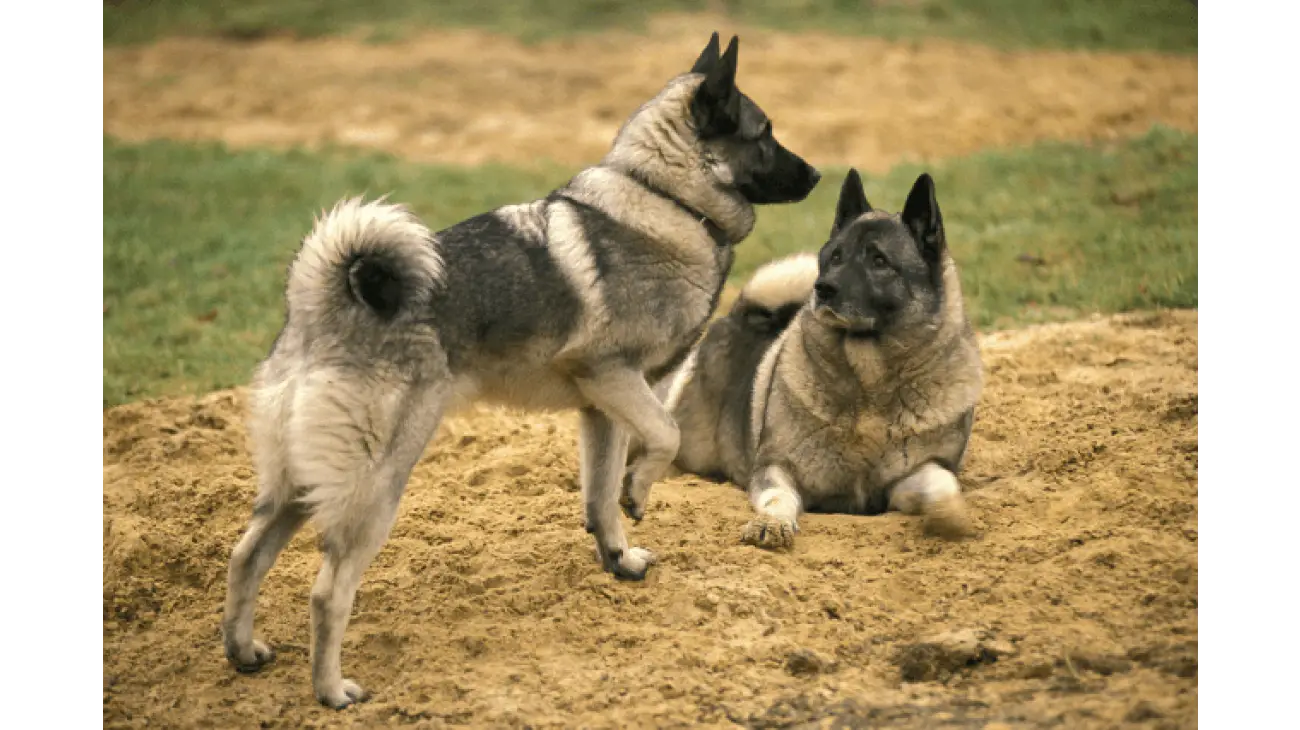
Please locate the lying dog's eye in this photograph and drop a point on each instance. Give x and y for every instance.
(880, 261)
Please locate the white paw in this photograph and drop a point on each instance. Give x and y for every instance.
(770, 532)
(948, 518)
(250, 658)
(632, 563)
(345, 694)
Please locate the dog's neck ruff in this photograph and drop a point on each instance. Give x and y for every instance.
(715, 231)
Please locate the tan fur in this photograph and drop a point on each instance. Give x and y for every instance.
(350, 229)
(783, 281)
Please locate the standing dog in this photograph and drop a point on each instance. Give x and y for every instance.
(571, 301)
(841, 382)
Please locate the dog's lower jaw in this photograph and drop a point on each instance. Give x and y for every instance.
(862, 335)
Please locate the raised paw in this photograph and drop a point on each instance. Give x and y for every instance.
(769, 532)
(345, 694)
(630, 564)
(634, 496)
(251, 658)
(948, 518)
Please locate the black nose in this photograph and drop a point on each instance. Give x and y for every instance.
(815, 177)
(826, 291)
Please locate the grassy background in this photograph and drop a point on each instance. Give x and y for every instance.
(197, 237)
(1165, 25)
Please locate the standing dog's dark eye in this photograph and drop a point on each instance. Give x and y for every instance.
(880, 261)
(835, 257)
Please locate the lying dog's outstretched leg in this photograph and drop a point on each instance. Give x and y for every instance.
(773, 494)
(355, 513)
(275, 520)
(603, 448)
(624, 396)
(933, 491)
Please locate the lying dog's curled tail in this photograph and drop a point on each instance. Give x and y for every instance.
(363, 260)
(775, 293)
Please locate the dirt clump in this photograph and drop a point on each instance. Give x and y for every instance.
(941, 656)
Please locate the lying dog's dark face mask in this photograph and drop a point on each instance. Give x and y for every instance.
(880, 273)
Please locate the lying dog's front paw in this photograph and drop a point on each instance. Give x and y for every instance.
(948, 518)
(769, 532)
(251, 658)
(630, 564)
(342, 695)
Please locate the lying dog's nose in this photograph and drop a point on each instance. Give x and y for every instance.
(826, 291)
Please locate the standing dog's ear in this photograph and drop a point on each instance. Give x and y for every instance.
(709, 58)
(853, 202)
(716, 106)
(921, 216)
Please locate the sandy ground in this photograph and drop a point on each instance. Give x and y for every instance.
(471, 97)
(1078, 597)
(1075, 606)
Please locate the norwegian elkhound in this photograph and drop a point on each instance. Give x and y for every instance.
(839, 382)
(582, 299)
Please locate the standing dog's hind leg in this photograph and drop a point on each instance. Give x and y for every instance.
(274, 523)
(355, 519)
(276, 517)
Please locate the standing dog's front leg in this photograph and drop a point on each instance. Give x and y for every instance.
(624, 396)
(603, 448)
(934, 492)
(774, 496)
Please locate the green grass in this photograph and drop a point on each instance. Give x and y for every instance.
(1167, 25)
(196, 238)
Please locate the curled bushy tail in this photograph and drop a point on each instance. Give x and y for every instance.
(776, 292)
(375, 257)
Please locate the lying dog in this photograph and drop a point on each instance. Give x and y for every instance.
(841, 382)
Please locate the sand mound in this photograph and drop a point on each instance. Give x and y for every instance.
(1076, 604)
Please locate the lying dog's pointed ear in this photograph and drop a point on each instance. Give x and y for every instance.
(709, 58)
(716, 106)
(921, 216)
(853, 202)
